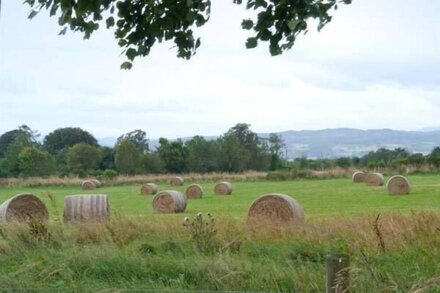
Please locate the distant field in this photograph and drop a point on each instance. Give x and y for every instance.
(319, 198)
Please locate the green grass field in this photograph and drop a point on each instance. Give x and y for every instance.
(139, 250)
(319, 198)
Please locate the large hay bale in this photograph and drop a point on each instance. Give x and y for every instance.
(169, 201)
(358, 177)
(88, 185)
(23, 207)
(374, 179)
(194, 191)
(223, 188)
(149, 188)
(398, 185)
(86, 208)
(176, 181)
(275, 209)
(96, 182)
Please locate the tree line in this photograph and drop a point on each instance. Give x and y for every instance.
(74, 151)
(397, 159)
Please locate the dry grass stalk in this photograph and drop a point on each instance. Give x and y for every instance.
(358, 177)
(275, 209)
(86, 208)
(137, 179)
(223, 188)
(23, 207)
(169, 201)
(398, 185)
(88, 185)
(149, 188)
(194, 191)
(374, 179)
(176, 181)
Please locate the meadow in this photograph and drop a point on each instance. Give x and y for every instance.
(399, 251)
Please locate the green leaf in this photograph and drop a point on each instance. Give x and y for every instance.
(131, 53)
(32, 14)
(110, 22)
(292, 24)
(247, 24)
(251, 43)
(126, 65)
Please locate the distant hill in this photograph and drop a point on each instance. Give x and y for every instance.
(330, 143)
(338, 142)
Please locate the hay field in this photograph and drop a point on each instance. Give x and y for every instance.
(319, 198)
(140, 251)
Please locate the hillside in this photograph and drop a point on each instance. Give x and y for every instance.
(339, 142)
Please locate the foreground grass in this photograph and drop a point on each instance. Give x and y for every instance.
(140, 250)
(133, 253)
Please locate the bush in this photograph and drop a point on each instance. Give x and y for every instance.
(110, 174)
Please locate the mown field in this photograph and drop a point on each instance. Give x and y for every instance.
(138, 249)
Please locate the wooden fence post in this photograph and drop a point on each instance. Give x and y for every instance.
(338, 273)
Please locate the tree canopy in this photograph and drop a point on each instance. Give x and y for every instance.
(139, 25)
(62, 138)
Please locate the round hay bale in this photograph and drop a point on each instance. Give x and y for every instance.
(169, 201)
(96, 182)
(23, 207)
(398, 185)
(374, 179)
(223, 188)
(194, 191)
(88, 185)
(358, 177)
(86, 208)
(275, 209)
(176, 181)
(149, 188)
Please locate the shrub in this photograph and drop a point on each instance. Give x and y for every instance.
(203, 233)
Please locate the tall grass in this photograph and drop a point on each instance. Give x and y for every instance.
(134, 253)
(126, 180)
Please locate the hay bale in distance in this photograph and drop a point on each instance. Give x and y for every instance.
(194, 191)
(169, 201)
(398, 185)
(88, 185)
(149, 188)
(223, 188)
(275, 209)
(96, 182)
(374, 179)
(176, 181)
(24, 207)
(86, 208)
(358, 177)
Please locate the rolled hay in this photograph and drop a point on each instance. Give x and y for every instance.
(86, 208)
(374, 179)
(275, 209)
(358, 177)
(96, 182)
(176, 181)
(88, 184)
(194, 191)
(169, 201)
(24, 207)
(149, 188)
(223, 188)
(398, 185)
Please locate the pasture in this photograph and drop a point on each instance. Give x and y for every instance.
(319, 198)
(139, 249)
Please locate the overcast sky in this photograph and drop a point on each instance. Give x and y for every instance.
(376, 65)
